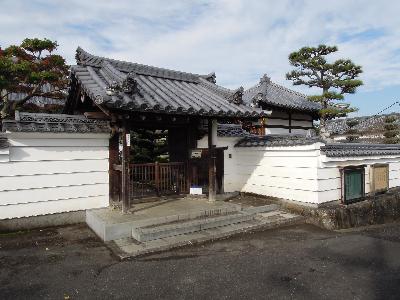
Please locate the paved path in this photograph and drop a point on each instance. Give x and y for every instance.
(298, 262)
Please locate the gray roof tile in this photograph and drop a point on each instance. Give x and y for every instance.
(136, 87)
(277, 140)
(232, 130)
(58, 123)
(276, 95)
(346, 150)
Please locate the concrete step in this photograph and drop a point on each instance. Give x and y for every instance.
(144, 234)
(261, 209)
(128, 247)
(111, 224)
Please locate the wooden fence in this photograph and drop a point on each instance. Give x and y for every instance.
(157, 179)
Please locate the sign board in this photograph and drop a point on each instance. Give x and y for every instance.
(379, 178)
(353, 184)
(195, 154)
(128, 139)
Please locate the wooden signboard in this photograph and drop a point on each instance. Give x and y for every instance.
(379, 178)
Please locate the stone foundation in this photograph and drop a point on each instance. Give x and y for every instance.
(378, 209)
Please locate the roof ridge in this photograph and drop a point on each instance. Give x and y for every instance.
(289, 90)
(85, 58)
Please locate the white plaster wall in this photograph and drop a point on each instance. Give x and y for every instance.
(44, 173)
(282, 172)
(329, 174)
(300, 173)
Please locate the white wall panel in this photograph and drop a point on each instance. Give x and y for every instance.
(52, 167)
(57, 153)
(53, 193)
(50, 173)
(52, 180)
(51, 207)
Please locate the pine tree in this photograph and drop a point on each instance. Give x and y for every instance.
(149, 146)
(26, 68)
(334, 79)
(391, 130)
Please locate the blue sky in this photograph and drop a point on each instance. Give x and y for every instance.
(239, 40)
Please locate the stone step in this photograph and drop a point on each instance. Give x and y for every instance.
(261, 209)
(144, 234)
(128, 247)
(111, 224)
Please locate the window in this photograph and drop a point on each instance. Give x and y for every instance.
(379, 177)
(353, 184)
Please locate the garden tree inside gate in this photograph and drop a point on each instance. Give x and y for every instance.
(26, 69)
(334, 79)
(391, 133)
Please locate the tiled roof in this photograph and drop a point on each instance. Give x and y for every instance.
(276, 95)
(346, 150)
(231, 130)
(38, 100)
(367, 124)
(135, 87)
(58, 123)
(277, 140)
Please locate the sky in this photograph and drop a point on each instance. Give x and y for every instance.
(239, 40)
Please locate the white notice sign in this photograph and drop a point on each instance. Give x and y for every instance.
(128, 139)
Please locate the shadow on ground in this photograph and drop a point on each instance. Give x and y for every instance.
(294, 262)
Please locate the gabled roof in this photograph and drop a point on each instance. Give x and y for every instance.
(57, 123)
(136, 87)
(276, 95)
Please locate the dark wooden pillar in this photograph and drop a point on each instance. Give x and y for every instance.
(125, 168)
(113, 159)
(211, 160)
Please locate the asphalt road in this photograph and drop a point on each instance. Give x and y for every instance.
(299, 262)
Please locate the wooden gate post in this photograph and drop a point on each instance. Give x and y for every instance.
(212, 128)
(157, 178)
(125, 168)
(113, 174)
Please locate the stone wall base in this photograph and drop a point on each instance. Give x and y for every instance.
(378, 209)
(27, 223)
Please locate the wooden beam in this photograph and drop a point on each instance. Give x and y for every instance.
(211, 161)
(96, 115)
(125, 168)
(113, 175)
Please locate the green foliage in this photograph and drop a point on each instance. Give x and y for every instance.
(26, 69)
(149, 146)
(352, 133)
(391, 130)
(335, 79)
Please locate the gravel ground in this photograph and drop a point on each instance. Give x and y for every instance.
(298, 262)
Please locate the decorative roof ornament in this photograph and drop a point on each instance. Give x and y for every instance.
(99, 99)
(265, 79)
(211, 77)
(255, 102)
(117, 88)
(236, 97)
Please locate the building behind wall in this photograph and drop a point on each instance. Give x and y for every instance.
(291, 112)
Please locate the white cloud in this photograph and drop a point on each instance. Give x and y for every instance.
(239, 40)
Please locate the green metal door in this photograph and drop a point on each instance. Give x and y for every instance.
(353, 185)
